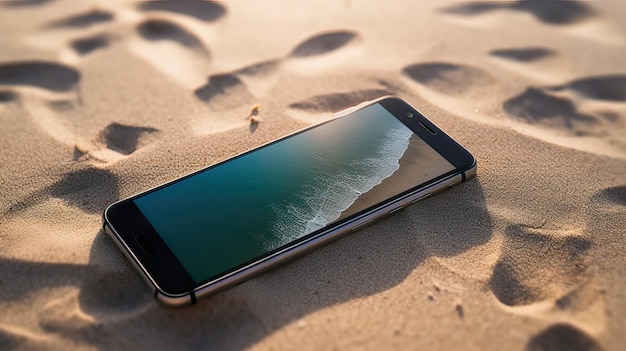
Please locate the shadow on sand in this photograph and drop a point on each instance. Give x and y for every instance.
(368, 262)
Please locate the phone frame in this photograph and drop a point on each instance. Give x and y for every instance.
(155, 269)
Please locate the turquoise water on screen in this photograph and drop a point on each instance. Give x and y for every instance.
(228, 215)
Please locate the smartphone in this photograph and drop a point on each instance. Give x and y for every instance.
(214, 228)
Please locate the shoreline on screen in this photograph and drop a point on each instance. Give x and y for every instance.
(418, 164)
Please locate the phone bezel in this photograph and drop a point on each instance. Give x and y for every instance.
(164, 271)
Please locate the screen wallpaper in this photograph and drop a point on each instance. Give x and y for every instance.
(228, 215)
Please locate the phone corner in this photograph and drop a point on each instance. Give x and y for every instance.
(389, 97)
(106, 212)
(470, 172)
(175, 300)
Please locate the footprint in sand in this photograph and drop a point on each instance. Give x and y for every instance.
(166, 44)
(57, 83)
(105, 291)
(554, 11)
(615, 195)
(323, 50)
(80, 47)
(62, 33)
(323, 43)
(83, 46)
(58, 86)
(237, 89)
(83, 20)
(162, 42)
(450, 79)
(544, 266)
(462, 89)
(260, 77)
(224, 91)
(125, 139)
(24, 3)
(527, 54)
(160, 29)
(227, 94)
(17, 273)
(563, 337)
(537, 106)
(109, 294)
(259, 69)
(89, 189)
(540, 63)
(587, 107)
(548, 11)
(41, 74)
(202, 10)
(574, 17)
(608, 88)
(114, 142)
(319, 51)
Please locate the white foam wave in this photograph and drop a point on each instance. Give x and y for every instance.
(324, 199)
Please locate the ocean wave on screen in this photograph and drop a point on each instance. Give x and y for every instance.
(323, 199)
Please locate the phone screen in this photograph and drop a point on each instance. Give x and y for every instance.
(242, 209)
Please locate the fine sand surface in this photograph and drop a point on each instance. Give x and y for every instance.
(103, 99)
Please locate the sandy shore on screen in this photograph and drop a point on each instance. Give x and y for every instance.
(418, 164)
(103, 99)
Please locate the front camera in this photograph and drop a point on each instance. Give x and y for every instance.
(409, 114)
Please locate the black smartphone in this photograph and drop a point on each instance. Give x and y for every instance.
(221, 225)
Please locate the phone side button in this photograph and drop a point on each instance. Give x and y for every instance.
(395, 210)
(359, 226)
(420, 198)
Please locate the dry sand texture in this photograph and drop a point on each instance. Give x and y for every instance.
(102, 99)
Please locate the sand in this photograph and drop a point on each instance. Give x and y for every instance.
(103, 99)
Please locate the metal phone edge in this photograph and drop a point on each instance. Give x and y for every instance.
(130, 257)
(290, 253)
(324, 238)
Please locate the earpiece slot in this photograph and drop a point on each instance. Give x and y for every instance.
(428, 128)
